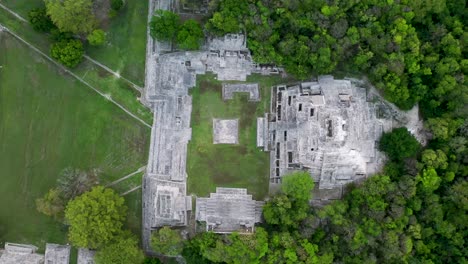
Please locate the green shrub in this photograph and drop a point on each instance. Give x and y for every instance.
(68, 52)
(97, 37)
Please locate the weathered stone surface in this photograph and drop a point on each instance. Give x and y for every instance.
(225, 131)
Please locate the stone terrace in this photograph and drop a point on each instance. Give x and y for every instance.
(229, 210)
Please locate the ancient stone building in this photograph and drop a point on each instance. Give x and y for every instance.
(229, 210)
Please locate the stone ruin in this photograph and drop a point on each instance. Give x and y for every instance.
(26, 254)
(229, 210)
(251, 88)
(225, 131)
(328, 128)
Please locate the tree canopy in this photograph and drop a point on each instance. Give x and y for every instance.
(95, 218)
(39, 20)
(68, 51)
(399, 144)
(75, 16)
(190, 35)
(291, 206)
(123, 251)
(167, 241)
(164, 25)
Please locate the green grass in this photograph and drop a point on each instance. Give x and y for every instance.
(50, 121)
(118, 89)
(125, 49)
(243, 165)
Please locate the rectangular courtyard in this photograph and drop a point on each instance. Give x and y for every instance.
(240, 165)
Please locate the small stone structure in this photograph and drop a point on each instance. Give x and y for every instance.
(251, 88)
(20, 253)
(225, 131)
(57, 254)
(229, 210)
(327, 127)
(85, 256)
(26, 254)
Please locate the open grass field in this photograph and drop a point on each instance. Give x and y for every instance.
(116, 54)
(125, 48)
(243, 165)
(49, 121)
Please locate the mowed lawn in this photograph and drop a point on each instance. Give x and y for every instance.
(125, 47)
(243, 165)
(49, 121)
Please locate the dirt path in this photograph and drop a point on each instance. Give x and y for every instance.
(126, 177)
(13, 13)
(116, 74)
(107, 96)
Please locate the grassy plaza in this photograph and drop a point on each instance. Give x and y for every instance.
(242, 165)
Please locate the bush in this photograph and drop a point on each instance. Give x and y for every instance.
(399, 144)
(68, 52)
(97, 37)
(39, 20)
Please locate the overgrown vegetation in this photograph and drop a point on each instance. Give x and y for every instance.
(167, 26)
(167, 241)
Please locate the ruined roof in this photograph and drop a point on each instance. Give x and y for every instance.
(57, 254)
(328, 128)
(20, 253)
(225, 131)
(251, 88)
(85, 256)
(229, 210)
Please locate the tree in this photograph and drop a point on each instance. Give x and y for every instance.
(95, 217)
(399, 144)
(164, 25)
(124, 250)
(290, 207)
(167, 241)
(97, 37)
(75, 16)
(190, 35)
(68, 52)
(239, 249)
(74, 182)
(52, 204)
(298, 186)
(39, 20)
